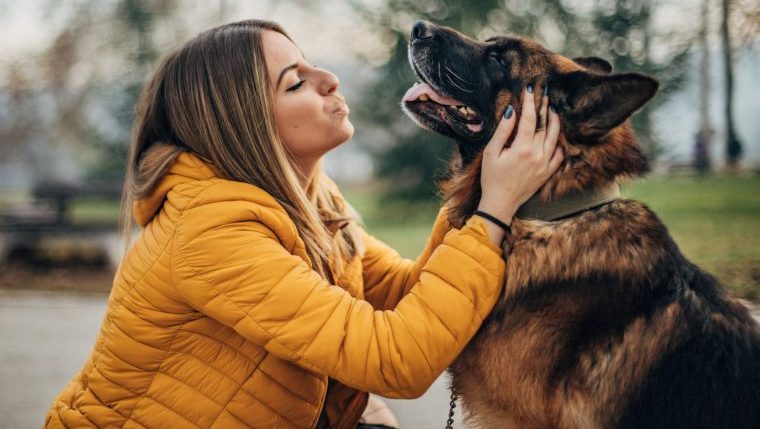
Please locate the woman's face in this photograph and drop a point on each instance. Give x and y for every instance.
(311, 115)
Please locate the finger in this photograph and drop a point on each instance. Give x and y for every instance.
(503, 131)
(527, 126)
(557, 157)
(540, 135)
(552, 132)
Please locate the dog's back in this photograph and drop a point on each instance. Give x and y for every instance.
(710, 376)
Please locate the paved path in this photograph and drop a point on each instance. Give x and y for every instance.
(45, 338)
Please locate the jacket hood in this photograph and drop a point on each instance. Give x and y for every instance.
(187, 168)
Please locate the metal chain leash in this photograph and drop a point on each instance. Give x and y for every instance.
(452, 405)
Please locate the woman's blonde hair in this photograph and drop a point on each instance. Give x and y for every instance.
(212, 97)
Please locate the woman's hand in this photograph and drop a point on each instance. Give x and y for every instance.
(510, 176)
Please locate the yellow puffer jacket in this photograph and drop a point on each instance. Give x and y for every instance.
(215, 319)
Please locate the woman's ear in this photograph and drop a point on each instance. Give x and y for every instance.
(593, 104)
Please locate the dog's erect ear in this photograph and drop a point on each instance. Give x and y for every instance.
(593, 104)
(599, 65)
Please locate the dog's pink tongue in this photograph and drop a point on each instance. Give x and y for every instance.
(418, 91)
(475, 127)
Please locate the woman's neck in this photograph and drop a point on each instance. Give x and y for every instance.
(306, 169)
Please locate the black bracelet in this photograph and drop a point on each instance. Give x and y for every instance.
(494, 219)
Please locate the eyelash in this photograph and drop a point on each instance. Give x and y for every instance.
(300, 82)
(296, 86)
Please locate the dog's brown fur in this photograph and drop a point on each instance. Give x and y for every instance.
(519, 355)
(602, 323)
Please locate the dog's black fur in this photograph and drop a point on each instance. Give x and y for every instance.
(603, 322)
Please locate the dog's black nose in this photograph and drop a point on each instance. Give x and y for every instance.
(421, 30)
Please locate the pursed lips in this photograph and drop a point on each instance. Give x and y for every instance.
(342, 107)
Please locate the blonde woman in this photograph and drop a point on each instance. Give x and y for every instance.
(253, 298)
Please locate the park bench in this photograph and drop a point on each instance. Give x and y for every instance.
(27, 228)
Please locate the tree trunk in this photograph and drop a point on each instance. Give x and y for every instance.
(733, 145)
(703, 138)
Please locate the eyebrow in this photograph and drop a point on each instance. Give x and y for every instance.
(282, 73)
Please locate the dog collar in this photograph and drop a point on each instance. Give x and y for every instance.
(569, 204)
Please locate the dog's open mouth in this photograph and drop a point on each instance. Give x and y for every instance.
(424, 101)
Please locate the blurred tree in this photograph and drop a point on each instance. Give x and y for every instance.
(68, 84)
(740, 21)
(625, 35)
(135, 23)
(84, 85)
(745, 14)
(733, 145)
(19, 119)
(703, 138)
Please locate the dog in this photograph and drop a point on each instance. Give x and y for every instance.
(602, 323)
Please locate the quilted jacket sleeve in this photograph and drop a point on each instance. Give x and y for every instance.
(240, 274)
(388, 277)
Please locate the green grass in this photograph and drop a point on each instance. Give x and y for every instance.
(95, 210)
(405, 228)
(79, 210)
(714, 220)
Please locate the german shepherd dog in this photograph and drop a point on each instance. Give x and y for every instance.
(603, 323)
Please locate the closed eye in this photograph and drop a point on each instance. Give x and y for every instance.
(500, 59)
(296, 86)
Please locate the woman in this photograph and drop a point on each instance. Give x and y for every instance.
(253, 298)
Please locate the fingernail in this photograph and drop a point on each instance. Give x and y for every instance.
(552, 108)
(546, 88)
(508, 113)
(530, 88)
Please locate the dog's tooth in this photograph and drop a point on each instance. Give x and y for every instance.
(424, 97)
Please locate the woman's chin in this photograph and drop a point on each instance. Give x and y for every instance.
(346, 131)
(349, 129)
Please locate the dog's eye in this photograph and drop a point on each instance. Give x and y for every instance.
(500, 59)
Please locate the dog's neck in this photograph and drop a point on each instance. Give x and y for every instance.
(569, 204)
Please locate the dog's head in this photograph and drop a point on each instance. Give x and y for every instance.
(466, 85)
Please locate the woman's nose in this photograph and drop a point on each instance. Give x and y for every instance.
(329, 83)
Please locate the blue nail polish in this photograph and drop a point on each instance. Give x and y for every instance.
(508, 113)
(552, 108)
(530, 88)
(546, 88)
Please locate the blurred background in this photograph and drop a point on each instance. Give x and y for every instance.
(71, 70)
